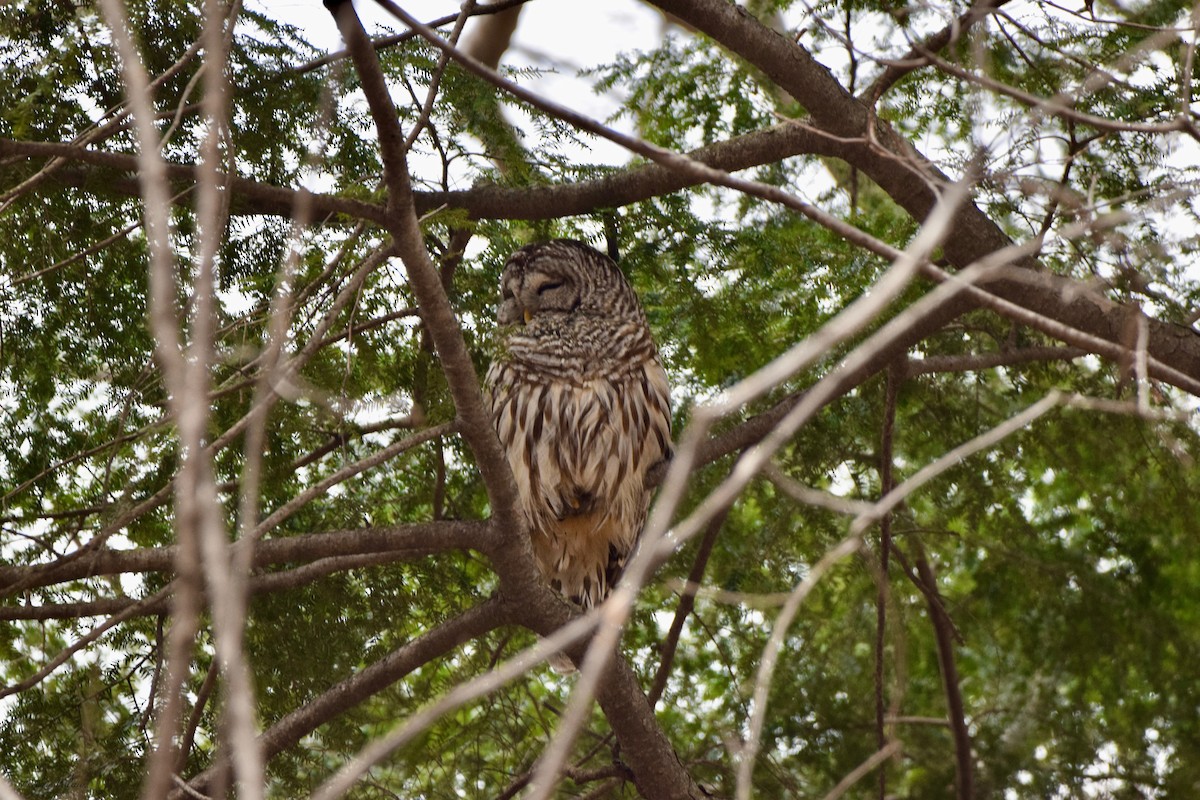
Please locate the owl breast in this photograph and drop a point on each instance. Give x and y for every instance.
(580, 442)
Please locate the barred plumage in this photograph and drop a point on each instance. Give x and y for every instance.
(582, 407)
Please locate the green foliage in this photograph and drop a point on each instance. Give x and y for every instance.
(1066, 555)
(682, 97)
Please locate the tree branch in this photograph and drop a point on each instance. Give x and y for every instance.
(635, 183)
(659, 773)
(384, 42)
(431, 645)
(687, 602)
(944, 633)
(981, 361)
(438, 316)
(883, 597)
(914, 182)
(486, 201)
(111, 171)
(426, 537)
(915, 57)
(265, 583)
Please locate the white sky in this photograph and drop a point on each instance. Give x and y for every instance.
(560, 35)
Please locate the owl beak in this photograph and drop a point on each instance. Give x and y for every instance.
(528, 316)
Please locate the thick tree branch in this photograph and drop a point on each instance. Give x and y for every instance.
(109, 171)
(862, 141)
(872, 145)
(635, 183)
(485, 201)
(1076, 315)
(265, 583)
(657, 770)
(427, 537)
(914, 182)
(659, 773)
(352, 691)
(1049, 295)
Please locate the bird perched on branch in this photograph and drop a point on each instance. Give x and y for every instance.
(582, 407)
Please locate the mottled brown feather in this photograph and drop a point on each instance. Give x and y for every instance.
(582, 406)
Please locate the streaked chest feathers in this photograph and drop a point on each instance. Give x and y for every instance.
(582, 406)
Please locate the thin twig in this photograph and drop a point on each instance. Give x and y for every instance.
(943, 633)
(855, 775)
(169, 352)
(886, 484)
(898, 68)
(981, 361)
(382, 42)
(432, 537)
(770, 656)
(434, 643)
(687, 601)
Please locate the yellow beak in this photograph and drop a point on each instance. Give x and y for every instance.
(528, 316)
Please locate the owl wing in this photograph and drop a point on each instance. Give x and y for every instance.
(645, 443)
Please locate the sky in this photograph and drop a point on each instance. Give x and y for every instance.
(561, 36)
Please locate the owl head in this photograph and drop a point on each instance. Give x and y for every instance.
(548, 284)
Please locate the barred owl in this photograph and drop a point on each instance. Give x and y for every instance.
(582, 407)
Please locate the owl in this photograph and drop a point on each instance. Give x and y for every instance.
(582, 407)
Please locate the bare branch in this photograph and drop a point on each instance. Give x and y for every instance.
(687, 602)
(181, 376)
(94, 635)
(851, 320)
(435, 308)
(883, 597)
(486, 201)
(1085, 319)
(499, 7)
(912, 181)
(858, 773)
(915, 57)
(964, 773)
(1004, 358)
(426, 537)
(320, 487)
(280, 581)
(1062, 105)
(435, 80)
(247, 196)
(433, 644)
(766, 667)
(813, 497)
(455, 698)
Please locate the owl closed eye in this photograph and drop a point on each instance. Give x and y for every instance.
(526, 295)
